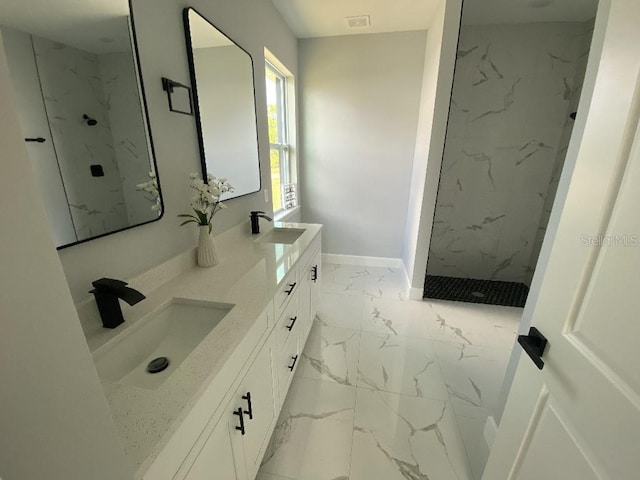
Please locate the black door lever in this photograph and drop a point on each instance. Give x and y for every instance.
(534, 344)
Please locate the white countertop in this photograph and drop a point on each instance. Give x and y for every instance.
(247, 277)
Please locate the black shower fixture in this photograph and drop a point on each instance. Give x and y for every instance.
(89, 121)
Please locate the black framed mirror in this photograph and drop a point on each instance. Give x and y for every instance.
(78, 90)
(224, 104)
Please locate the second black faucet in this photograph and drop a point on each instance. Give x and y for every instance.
(255, 224)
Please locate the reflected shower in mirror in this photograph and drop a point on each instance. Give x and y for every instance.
(222, 79)
(77, 91)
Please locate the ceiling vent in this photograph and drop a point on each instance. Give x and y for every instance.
(360, 21)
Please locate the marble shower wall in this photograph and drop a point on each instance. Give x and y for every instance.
(564, 144)
(126, 120)
(513, 90)
(71, 87)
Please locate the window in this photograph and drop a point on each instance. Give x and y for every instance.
(283, 173)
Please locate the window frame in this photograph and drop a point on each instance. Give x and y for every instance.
(283, 146)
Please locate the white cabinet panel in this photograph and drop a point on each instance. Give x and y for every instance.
(215, 460)
(256, 398)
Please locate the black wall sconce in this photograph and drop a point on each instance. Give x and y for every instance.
(179, 96)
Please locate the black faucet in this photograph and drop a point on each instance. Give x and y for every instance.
(255, 225)
(107, 292)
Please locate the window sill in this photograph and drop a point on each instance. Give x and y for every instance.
(285, 215)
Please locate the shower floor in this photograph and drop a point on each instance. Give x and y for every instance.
(470, 290)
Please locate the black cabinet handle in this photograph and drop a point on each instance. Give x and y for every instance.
(37, 139)
(314, 273)
(534, 344)
(292, 285)
(249, 412)
(293, 365)
(293, 322)
(240, 414)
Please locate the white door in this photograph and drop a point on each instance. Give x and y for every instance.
(579, 417)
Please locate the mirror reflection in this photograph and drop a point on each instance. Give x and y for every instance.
(222, 78)
(76, 84)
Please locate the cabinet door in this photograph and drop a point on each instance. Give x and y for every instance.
(304, 306)
(215, 461)
(316, 276)
(256, 397)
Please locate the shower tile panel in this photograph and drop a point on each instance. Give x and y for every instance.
(514, 88)
(71, 87)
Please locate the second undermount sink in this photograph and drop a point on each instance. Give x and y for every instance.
(281, 235)
(160, 341)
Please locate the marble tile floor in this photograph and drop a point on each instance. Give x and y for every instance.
(390, 388)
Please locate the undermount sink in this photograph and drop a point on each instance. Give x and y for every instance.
(171, 332)
(281, 235)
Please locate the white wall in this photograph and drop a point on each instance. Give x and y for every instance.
(55, 421)
(358, 114)
(160, 32)
(439, 62)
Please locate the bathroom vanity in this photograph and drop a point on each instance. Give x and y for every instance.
(233, 333)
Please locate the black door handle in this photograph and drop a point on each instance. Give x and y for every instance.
(241, 415)
(534, 344)
(293, 365)
(293, 322)
(249, 412)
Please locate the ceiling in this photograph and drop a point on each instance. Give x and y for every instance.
(97, 26)
(324, 18)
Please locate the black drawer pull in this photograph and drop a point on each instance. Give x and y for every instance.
(240, 414)
(314, 273)
(292, 285)
(293, 365)
(293, 322)
(37, 139)
(249, 412)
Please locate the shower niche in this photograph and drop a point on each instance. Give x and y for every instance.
(515, 96)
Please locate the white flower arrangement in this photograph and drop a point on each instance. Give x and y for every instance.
(151, 189)
(206, 202)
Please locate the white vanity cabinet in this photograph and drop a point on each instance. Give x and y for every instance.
(235, 447)
(228, 429)
(254, 412)
(309, 294)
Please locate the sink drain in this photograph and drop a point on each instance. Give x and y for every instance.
(157, 365)
(477, 294)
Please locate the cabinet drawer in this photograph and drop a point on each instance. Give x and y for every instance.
(285, 292)
(286, 364)
(288, 324)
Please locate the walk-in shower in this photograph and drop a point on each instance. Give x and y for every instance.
(515, 96)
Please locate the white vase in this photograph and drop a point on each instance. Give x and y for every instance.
(207, 255)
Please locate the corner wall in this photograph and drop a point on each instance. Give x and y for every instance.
(437, 82)
(358, 125)
(55, 421)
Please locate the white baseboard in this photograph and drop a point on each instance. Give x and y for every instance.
(490, 431)
(416, 293)
(362, 261)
